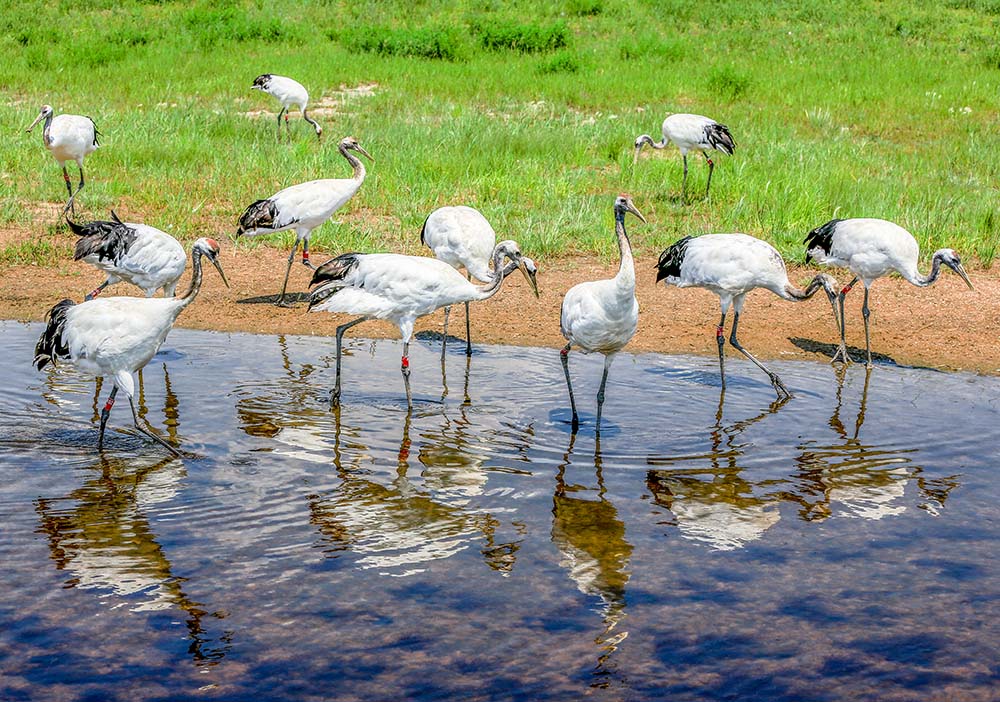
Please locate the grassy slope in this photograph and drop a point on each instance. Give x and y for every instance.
(839, 108)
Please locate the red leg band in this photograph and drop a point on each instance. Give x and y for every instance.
(719, 332)
(406, 362)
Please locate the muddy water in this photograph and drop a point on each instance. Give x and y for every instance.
(841, 545)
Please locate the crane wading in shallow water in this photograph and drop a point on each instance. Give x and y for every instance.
(69, 138)
(136, 253)
(116, 336)
(290, 93)
(691, 133)
(400, 289)
(871, 248)
(304, 207)
(463, 238)
(731, 265)
(602, 315)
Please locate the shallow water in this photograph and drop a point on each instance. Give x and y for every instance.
(841, 545)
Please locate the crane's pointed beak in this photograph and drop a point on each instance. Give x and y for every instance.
(631, 208)
(635, 156)
(961, 271)
(218, 267)
(37, 120)
(529, 274)
(362, 151)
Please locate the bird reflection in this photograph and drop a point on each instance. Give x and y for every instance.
(100, 536)
(863, 480)
(444, 380)
(714, 503)
(591, 537)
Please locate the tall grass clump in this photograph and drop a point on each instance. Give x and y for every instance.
(440, 42)
(728, 83)
(212, 24)
(526, 38)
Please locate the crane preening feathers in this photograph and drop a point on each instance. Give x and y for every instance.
(116, 336)
(304, 207)
(69, 138)
(731, 265)
(400, 289)
(871, 248)
(290, 93)
(691, 133)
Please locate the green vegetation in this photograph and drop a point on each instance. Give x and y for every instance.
(527, 110)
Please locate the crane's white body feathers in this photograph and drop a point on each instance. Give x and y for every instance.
(600, 315)
(871, 248)
(687, 132)
(461, 237)
(289, 92)
(731, 265)
(71, 138)
(305, 206)
(154, 260)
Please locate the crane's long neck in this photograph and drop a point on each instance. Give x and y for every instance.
(488, 290)
(359, 168)
(795, 293)
(46, 135)
(924, 280)
(196, 277)
(662, 144)
(626, 269)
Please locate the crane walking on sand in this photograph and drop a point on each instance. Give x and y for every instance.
(871, 248)
(463, 238)
(304, 207)
(691, 133)
(69, 138)
(139, 254)
(400, 289)
(602, 315)
(116, 336)
(731, 265)
(290, 93)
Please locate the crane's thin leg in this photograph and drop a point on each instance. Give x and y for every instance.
(105, 413)
(404, 367)
(779, 387)
(720, 339)
(69, 189)
(288, 129)
(305, 255)
(684, 182)
(564, 357)
(841, 354)
(291, 257)
(600, 392)
(468, 332)
(151, 435)
(866, 313)
(96, 291)
(335, 393)
(711, 167)
(444, 339)
(279, 123)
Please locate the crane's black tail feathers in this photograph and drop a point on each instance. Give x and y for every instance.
(719, 138)
(821, 238)
(107, 240)
(669, 265)
(52, 343)
(423, 229)
(332, 274)
(96, 132)
(260, 215)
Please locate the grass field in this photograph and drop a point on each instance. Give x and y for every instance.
(527, 110)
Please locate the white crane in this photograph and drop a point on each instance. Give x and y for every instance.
(139, 254)
(69, 138)
(290, 93)
(116, 336)
(463, 238)
(731, 265)
(871, 248)
(602, 315)
(400, 289)
(691, 133)
(304, 207)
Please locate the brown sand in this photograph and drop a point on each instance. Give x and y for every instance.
(945, 326)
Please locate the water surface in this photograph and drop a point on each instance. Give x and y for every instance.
(841, 545)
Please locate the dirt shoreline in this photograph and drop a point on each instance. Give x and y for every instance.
(945, 326)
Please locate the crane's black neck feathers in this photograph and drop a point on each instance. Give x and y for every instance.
(719, 138)
(669, 265)
(821, 238)
(104, 239)
(52, 344)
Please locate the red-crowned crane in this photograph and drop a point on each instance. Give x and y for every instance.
(304, 207)
(463, 238)
(871, 248)
(731, 265)
(290, 93)
(139, 254)
(400, 289)
(69, 138)
(691, 133)
(602, 315)
(116, 336)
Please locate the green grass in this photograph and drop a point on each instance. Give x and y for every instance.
(527, 111)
